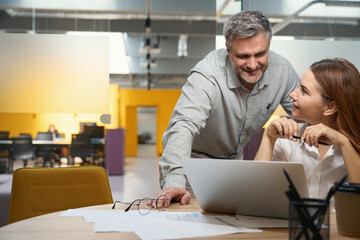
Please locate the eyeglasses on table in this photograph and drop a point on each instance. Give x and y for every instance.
(145, 204)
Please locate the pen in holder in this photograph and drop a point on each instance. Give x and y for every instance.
(309, 218)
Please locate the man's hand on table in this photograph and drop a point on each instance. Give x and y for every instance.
(173, 194)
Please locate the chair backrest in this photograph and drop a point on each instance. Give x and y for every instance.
(44, 136)
(81, 146)
(37, 191)
(81, 138)
(94, 131)
(4, 135)
(25, 135)
(44, 151)
(22, 148)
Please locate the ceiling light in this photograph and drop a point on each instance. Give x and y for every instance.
(182, 46)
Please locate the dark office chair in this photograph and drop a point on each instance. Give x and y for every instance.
(44, 136)
(81, 147)
(25, 135)
(4, 152)
(45, 151)
(21, 148)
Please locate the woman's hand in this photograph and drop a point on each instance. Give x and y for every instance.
(320, 132)
(282, 127)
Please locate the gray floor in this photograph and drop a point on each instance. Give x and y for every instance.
(140, 179)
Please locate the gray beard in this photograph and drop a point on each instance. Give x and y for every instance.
(251, 82)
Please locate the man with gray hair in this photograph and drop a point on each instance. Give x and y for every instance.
(228, 97)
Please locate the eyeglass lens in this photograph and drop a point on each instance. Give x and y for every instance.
(161, 203)
(145, 206)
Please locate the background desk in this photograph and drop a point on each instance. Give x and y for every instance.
(97, 145)
(56, 142)
(52, 226)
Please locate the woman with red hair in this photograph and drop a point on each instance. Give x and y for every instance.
(328, 101)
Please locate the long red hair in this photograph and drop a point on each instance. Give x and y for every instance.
(340, 81)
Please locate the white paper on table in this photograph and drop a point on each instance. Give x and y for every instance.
(234, 220)
(114, 226)
(101, 215)
(112, 223)
(170, 225)
(105, 220)
(161, 225)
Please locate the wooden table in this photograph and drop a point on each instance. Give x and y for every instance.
(52, 226)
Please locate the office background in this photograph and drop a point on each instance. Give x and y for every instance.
(66, 62)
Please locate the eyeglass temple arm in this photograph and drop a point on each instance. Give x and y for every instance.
(128, 208)
(115, 204)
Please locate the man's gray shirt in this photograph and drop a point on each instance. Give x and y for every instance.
(216, 115)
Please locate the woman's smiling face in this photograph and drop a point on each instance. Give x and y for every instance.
(308, 103)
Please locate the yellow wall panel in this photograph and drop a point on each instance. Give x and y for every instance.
(53, 73)
(67, 123)
(163, 100)
(113, 106)
(131, 131)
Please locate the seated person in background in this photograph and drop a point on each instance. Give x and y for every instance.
(54, 132)
(328, 101)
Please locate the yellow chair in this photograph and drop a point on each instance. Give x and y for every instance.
(37, 191)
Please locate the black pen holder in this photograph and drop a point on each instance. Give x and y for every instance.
(309, 219)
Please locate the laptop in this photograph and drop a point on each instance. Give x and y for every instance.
(255, 188)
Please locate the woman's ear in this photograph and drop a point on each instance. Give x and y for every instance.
(330, 109)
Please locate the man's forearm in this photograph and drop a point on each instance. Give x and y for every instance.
(176, 146)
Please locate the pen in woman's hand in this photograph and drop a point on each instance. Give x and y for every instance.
(322, 143)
